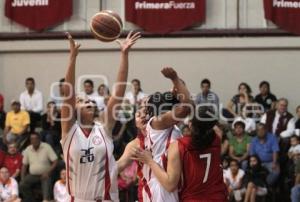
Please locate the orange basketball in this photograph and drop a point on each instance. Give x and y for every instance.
(106, 26)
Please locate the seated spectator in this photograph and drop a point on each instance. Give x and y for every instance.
(186, 130)
(295, 192)
(265, 146)
(239, 144)
(8, 187)
(255, 179)
(51, 126)
(265, 97)
(16, 124)
(13, 161)
(297, 124)
(208, 97)
(2, 113)
(2, 157)
(233, 177)
(32, 101)
(126, 183)
(294, 155)
(60, 189)
(239, 101)
(41, 160)
(103, 92)
(279, 122)
(250, 125)
(58, 96)
(223, 136)
(136, 95)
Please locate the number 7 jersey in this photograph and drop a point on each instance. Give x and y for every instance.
(202, 174)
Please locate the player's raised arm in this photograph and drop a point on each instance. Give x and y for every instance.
(180, 111)
(68, 107)
(120, 86)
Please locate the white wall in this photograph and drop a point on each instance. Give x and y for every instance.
(226, 61)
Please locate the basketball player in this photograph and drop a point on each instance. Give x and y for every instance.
(197, 159)
(156, 118)
(88, 148)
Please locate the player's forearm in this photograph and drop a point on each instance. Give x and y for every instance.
(162, 176)
(122, 76)
(182, 91)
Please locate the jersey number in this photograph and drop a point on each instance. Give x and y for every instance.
(208, 160)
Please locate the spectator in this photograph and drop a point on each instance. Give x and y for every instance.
(255, 179)
(186, 130)
(223, 136)
(294, 155)
(239, 144)
(60, 190)
(295, 192)
(233, 179)
(279, 122)
(89, 92)
(16, 124)
(297, 124)
(2, 113)
(32, 101)
(103, 92)
(51, 126)
(41, 160)
(265, 146)
(265, 97)
(2, 157)
(136, 95)
(250, 125)
(13, 161)
(239, 101)
(8, 187)
(208, 97)
(58, 97)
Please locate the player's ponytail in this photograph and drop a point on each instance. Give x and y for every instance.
(202, 128)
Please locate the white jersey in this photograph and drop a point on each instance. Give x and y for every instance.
(90, 165)
(158, 141)
(60, 192)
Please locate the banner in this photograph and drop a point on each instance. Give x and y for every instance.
(284, 13)
(165, 16)
(38, 14)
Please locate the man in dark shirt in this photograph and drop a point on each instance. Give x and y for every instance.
(265, 97)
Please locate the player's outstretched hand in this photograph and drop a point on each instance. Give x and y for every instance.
(74, 46)
(169, 73)
(130, 40)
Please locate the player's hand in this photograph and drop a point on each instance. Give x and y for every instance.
(143, 156)
(131, 39)
(74, 46)
(169, 73)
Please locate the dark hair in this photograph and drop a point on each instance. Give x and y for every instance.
(159, 102)
(89, 81)
(36, 134)
(51, 102)
(105, 87)
(62, 80)
(257, 158)
(295, 136)
(240, 123)
(202, 131)
(205, 81)
(265, 83)
(30, 79)
(234, 160)
(138, 82)
(249, 91)
(261, 125)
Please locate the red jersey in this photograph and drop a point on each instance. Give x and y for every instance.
(202, 172)
(141, 183)
(13, 162)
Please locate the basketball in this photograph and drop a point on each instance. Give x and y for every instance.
(106, 26)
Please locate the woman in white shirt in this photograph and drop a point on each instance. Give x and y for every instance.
(60, 189)
(8, 187)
